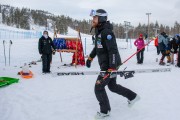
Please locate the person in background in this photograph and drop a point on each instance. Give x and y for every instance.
(46, 48)
(178, 42)
(156, 45)
(163, 43)
(174, 48)
(139, 43)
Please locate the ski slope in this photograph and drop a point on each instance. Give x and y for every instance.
(72, 97)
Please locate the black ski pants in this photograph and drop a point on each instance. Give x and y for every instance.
(158, 51)
(178, 61)
(140, 56)
(46, 61)
(102, 97)
(163, 52)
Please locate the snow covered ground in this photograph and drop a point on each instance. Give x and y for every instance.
(72, 98)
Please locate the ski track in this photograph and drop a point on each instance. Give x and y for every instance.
(72, 97)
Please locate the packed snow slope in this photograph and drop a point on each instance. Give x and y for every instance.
(72, 97)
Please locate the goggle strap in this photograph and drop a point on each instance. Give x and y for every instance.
(94, 13)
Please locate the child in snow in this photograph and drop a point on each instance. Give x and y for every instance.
(139, 43)
(25, 69)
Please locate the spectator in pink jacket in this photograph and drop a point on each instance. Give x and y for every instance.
(139, 43)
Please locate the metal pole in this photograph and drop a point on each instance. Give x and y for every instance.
(85, 46)
(130, 44)
(4, 42)
(156, 31)
(148, 14)
(127, 26)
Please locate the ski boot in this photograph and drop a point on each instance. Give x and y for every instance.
(168, 63)
(101, 115)
(132, 102)
(161, 63)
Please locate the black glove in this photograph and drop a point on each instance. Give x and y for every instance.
(88, 62)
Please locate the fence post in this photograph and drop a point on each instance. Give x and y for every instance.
(85, 46)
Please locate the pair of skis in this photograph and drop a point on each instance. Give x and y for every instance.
(10, 43)
(125, 73)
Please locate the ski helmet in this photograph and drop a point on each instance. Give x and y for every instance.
(177, 35)
(102, 15)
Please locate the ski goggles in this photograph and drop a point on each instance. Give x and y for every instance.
(94, 13)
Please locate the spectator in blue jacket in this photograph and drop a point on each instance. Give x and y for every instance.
(164, 47)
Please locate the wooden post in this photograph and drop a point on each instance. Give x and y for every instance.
(60, 56)
(76, 51)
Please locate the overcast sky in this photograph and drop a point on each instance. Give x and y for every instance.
(134, 11)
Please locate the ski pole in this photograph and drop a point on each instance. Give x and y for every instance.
(85, 46)
(137, 52)
(4, 51)
(10, 43)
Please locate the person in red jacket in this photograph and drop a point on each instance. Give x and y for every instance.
(139, 43)
(156, 45)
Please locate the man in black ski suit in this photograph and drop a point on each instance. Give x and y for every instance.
(109, 60)
(46, 48)
(178, 42)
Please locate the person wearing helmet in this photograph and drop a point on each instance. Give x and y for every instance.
(109, 60)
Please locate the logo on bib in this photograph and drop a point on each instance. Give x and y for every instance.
(109, 37)
(99, 45)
